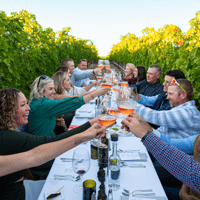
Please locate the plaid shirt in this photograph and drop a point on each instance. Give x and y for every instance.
(143, 87)
(179, 164)
(179, 122)
(81, 75)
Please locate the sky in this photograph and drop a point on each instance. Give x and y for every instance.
(104, 22)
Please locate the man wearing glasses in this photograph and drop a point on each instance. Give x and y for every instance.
(183, 120)
(69, 63)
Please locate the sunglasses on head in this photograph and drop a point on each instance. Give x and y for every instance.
(82, 60)
(41, 77)
(174, 82)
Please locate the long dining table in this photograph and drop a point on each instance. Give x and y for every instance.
(141, 178)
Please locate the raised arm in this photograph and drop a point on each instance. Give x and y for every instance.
(83, 74)
(147, 101)
(43, 153)
(87, 96)
(179, 164)
(181, 117)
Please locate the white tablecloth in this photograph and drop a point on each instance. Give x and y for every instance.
(131, 178)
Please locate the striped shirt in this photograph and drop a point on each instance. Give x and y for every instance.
(143, 87)
(179, 164)
(179, 122)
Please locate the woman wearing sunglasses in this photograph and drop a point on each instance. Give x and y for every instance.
(44, 109)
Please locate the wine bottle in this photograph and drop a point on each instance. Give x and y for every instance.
(114, 169)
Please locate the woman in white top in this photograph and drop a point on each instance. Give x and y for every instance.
(64, 86)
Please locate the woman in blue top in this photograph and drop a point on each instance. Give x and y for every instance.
(41, 119)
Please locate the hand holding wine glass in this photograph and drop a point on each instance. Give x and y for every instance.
(126, 103)
(80, 164)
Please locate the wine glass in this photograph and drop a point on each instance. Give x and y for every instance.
(100, 64)
(113, 110)
(80, 164)
(127, 101)
(107, 64)
(107, 81)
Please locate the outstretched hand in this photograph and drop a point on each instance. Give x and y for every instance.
(95, 131)
(134, 126)
(100, 91)
(142, 121)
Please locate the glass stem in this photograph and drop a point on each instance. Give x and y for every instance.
(80, 181)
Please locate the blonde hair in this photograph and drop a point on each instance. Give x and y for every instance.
(37, 90)
(132, 66)
(58, 78)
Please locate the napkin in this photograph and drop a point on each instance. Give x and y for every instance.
(135, 156)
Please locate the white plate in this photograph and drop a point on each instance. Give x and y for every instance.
(59, 197)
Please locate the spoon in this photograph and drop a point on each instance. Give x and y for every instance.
(132, 164)
(137, 194)
(127, 191)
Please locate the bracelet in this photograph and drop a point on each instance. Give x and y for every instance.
(148, 132)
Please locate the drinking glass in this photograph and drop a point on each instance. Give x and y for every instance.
(127, 101)
(80, 164)
(113, 110)
(100, 64)
(107, 64)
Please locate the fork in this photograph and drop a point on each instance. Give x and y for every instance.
(141, 194)
(127, 191)
(124, 151)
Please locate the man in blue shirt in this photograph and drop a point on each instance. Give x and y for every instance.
(78, 76)
(81, 66)
(151, 86)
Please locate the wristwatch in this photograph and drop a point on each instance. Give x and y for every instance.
(148, 132)
(93, 72)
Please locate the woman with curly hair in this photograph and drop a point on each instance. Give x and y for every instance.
(139, 73)
(14, 112)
